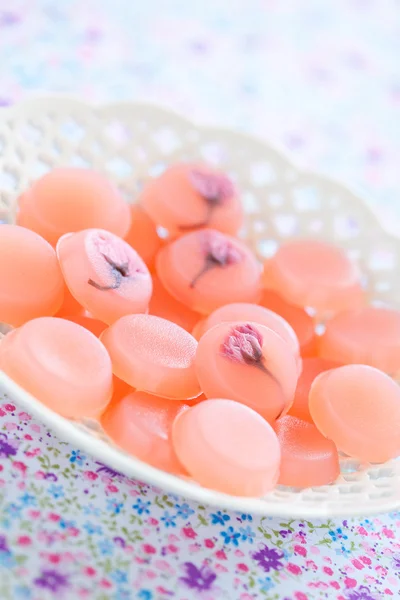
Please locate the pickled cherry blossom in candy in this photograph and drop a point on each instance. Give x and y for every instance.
(60, 363)
(358, 408)
(153, 355)
(188, 197)
(249, 363)
(206, 269)
(228, 447)
(242, 311)
(70, 199)
(31, 283)
(162, 304)
(143, 236)
(307, 458)
(369, 335)
(141, 425)
(298, 319)
(309, 273)
(311, 368)
(104, 274)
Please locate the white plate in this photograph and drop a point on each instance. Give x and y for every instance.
(132, 142)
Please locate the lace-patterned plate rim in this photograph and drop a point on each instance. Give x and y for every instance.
(364, 489)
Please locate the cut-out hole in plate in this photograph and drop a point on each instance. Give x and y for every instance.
(275, 200)
(117, 133)
(261, 174)
(79, 161)
(31, 133)
(213, 153)
(119, 167)
(8, 180)
(250, 203)
(306, 199)
(345, 227)
(285, 224)
(156, 169)
(382, 260)
(40, 168)
(267, 248)
(167, 140)
(71, 130)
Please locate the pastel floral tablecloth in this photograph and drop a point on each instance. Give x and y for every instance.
(320, 80)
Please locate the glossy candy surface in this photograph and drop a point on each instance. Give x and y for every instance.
(69, 199)
(307, 458)
(249, 363)
(60, 363)
(228, 447)
(153, 355)
(31, 283)
(358, 408)
(104, 274)
(207, 269)
(188, 197)
(141, 425)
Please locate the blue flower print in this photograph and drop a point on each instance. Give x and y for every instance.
(90, 509)
(368, 525)
(245, 517)
(13, 510)
(141, 507)
(145, 595)
(28, 500)
(247, 534)
(105, 547)
(122, 594)
(266, 584)
(22, 591)
(77, 457)
(337, 535)
(92, 528)
(184, 510)
(67, 524)
(119, 576)
(231, 536)
(169, 520)
(219, 518)
(114, 506)
(57, 491)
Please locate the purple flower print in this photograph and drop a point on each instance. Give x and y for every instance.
(3, 544)
(362, 593)
(198, 579)
(7, 447)
(51, 580)
(269, 558)
(108, 471)
(396, 561)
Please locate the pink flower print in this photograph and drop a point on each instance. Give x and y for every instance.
(163, 566)
(32, 453)
(381, 570)
(300, 596)
(221, 568)
(105, 583)
(11, 426)
(172, 549)
(239, 553)
(189, 532)
(24, 416)
(209, 543)
(90, 475)
(89, 571)
(242, 568)
(300, 550)
(349, 582)
(19, 466)
(54, 558)
(194, 548)
(358, 565)
(310, 564)
(2, 412)
(295, 569)
(151, 574)
(35, 428)
(220, 554)
(21, 485)
(34, 514)
(388, 592)
(314, 550)
(334, 584)
(148, 549)
(152, 521)
(24, 540)
(40, 475)
(388, 533)
(2, 483)
(28, 437)
(328, 571)
(53, 517)
(9, 407)
(112, 488)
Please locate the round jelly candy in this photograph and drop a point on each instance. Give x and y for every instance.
(368, 336)
(104, 274)
(143, 236)
(71, 199)
(309, 273)
(60, 363)
(162, 304)
(308, 458)
(249, 363)
(311, 368)
(242, 311)
(31, 283)
(206, 269)
(153, 355)
(188, 197)
(141, 424)
(94, 325)
(358, 408)
(228, 447)
(298, 319)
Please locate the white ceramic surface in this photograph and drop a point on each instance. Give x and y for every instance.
(132, 142)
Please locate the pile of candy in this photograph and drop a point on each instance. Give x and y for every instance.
(194, 356)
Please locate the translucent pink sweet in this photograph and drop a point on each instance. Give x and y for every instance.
(162, 304)
(188, 197)
(141, 425)
(242, 311)
(60, 363)
(228, 447)
(315, 274)
(207, 269)
(104, 274)
(307, 458)
(249, 363)
(31, 283)
(143, 236)
(358, 408)
(369, 335)
(311, 368)
(153, 355)
(71, 199)
(94, 325)
(301, 322)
